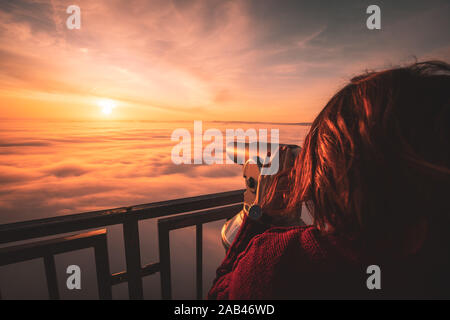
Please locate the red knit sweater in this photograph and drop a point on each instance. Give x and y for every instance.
(300, 262)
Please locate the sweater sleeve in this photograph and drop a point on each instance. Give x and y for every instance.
(224, 275)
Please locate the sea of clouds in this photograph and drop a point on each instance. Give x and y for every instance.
(52, 168)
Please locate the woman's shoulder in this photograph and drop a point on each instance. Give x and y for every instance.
(300, 241)
(273, 258)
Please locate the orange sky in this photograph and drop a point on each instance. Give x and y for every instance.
(207, 60)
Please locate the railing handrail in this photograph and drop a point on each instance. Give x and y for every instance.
(197, 219)
(47, 249)
(195, 211)
(28, 229)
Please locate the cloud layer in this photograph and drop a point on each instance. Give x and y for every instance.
(50, 168)
(53, 168)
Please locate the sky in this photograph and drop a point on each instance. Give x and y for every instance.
(205, 60)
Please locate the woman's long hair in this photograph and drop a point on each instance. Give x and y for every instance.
(378, 155)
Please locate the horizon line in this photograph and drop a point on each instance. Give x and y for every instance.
(156, 121)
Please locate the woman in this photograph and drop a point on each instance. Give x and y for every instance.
(374, 172)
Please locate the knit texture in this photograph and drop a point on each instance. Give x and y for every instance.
(300, 262)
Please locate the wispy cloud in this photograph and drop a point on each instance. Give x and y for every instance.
(203, 58)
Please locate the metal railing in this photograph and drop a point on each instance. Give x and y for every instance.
(193, 211)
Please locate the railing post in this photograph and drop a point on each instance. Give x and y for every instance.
(50, 273)
(103, 271)
(133, 258)
(199, 249)
(164, 260)
(207, 208)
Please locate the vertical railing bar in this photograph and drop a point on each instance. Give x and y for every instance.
(199, 248)
(50, 273)
(103, 270)
(164, 260)
(133, 258)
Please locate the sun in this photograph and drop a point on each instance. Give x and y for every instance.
(107, 105)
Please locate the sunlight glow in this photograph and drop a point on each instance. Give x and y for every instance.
(107, 105)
